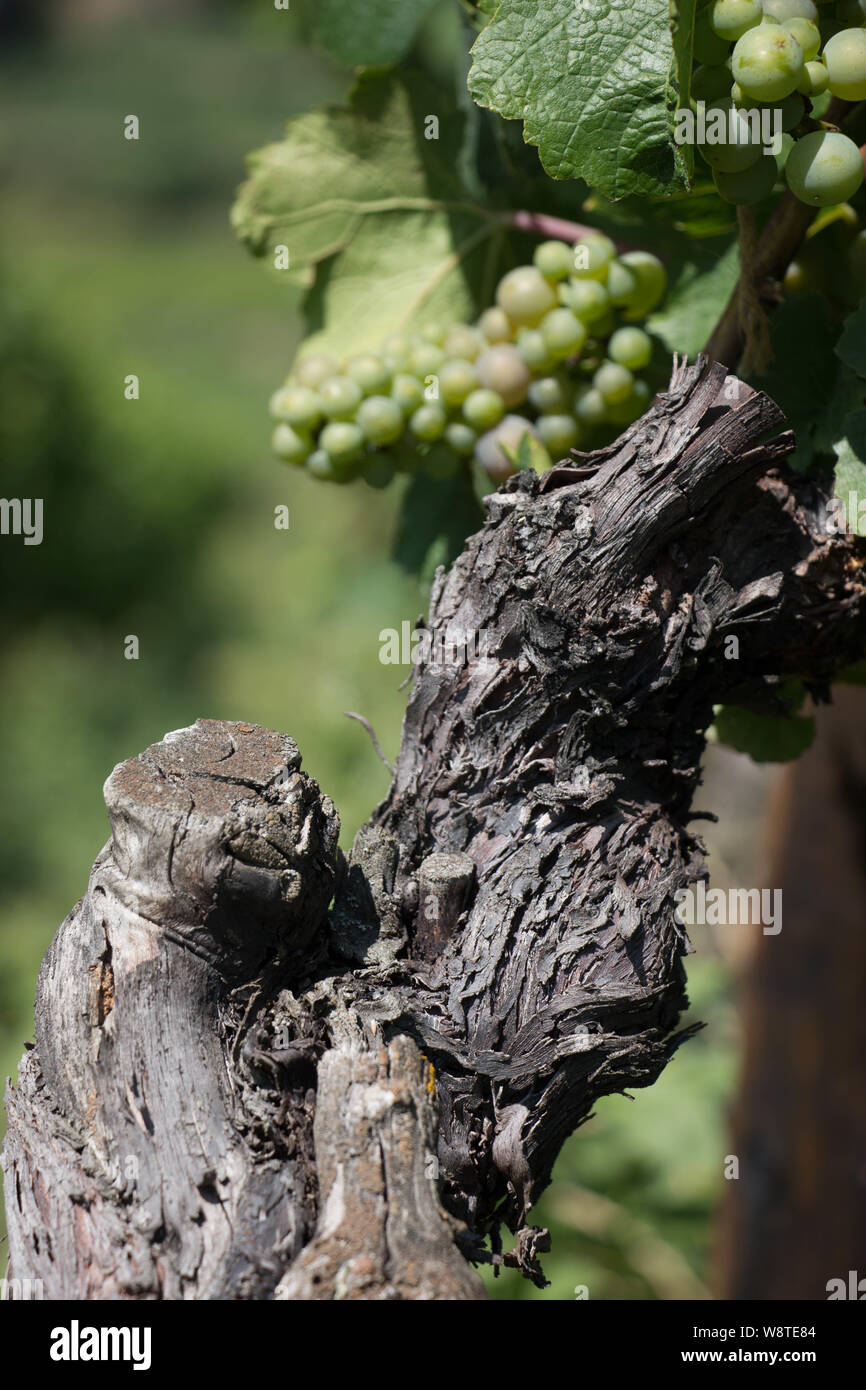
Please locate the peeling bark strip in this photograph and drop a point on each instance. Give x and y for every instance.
(237, 1094)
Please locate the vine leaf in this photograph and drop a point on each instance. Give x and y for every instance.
(596, 85)
(368, 204)
(766, 738)
(375, 33)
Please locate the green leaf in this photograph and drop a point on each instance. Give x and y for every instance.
(764, 737)
(595, 85)
(852, 343)
(850, 480)
(694, 303)
(373, 213)
(376, 33)
(436, 517)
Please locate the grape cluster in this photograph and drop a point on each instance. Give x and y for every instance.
(557, 358)
(781, 54)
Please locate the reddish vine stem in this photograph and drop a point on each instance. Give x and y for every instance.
(560, 228)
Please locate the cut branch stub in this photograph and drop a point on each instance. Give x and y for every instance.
(502, 948)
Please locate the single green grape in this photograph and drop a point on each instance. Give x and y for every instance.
(588, 299)
(651, 283)
(558, 433)
(750, 185)
(428, 422)
(707, 47)
(291, 445)
(554, 259)
(730, 19)
(824, 167)
(370, 373)
(464, 342)
(712, 84)
(793, 109)
(593, 254)
(490, 448)
(534, 350)
(378, 470)
(407, 391)
(395, 351)
(340, 397)
(525, 296)
(322, 466)
(589, 407)
(380, 419)
(622, 283)
(426, 359)
(433, 333)
(496, 326)
(814, 80)
(563, 334)
(502, 368)
(807, 35)
(741, 147)
(767, 62)
(547, 395)
(483, 409)
(312, 371)
(342, 441)
(461, 438)
(845, 61)
(297, 405)
(456, 379)
(783, 10)
(631, 347)
(613, 382)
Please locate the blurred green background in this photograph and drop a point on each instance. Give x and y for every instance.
(116, 257)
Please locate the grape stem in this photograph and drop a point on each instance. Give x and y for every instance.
(558, 228)
(776, 247)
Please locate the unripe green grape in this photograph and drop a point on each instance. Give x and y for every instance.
(613, 382)
(433, 333)
(796, 278)
(793, 109)
(525, 296)
(622, 283)
(370, 373)
(632, 408)
(456, 379)
(534, 350)
(558, 433)
(742, 147)
(707, 47)
(823, 168)
(426, 359)
(593, 255)
(590, 408)
(312, 371)
(428, 422)
(767, 62)
(395, 350)
(814, 80)
(604, 326)
(783, 10)
(322, 466)
(463, 342)
(588, 299)
(502, 369)
(461, 438)
(340, 397)
(781, 159)
(652, 282)
(563, 333)
(547, 395)
(751, 185)
(489, 449)
(845, 61)
(342, 441)
(496, 326)
(407, 391)
(712, 84)
(807, 35)
(730, 19)
(631, 347)
(381, 419)
(297, 405)
(483, 409)
(291, 445)
(554, 259)
(378, 470)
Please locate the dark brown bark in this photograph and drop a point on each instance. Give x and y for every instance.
(502, 949)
